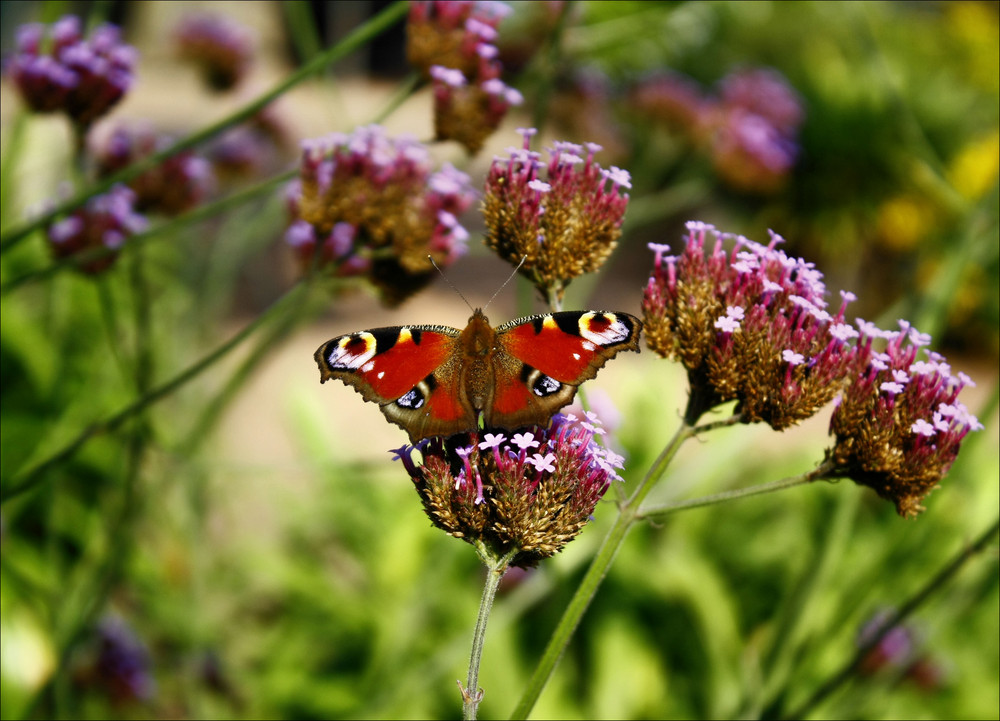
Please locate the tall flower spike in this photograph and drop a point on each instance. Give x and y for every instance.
(106, 221)
(749, 325)
(562, 225)
(369, 205)
(532, 493)
(57, 69)
(899, 424)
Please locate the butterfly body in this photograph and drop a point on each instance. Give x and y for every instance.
(437, 381)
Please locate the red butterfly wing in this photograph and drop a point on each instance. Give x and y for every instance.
(544, 358)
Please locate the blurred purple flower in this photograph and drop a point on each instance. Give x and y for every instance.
(56, 69)
(105, 222)
(179, 183)
(221, 48)
(374, 207)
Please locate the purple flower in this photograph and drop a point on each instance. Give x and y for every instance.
(179, 183)
(378, 210)
(105, 222)
(777, 303)
(221, 48)
(452, 44)
(122, 664)
(899, 425)
(493, 493)
(556, 246)
(82, 77)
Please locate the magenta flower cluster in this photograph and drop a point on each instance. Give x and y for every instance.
(749, 324)
(899, 424)
(179, 183)
(57, 69)
(563, 217)
(533, 491)
(105, 222)
(364, 200)
(749, 127)
(454, 44)
(221, 48)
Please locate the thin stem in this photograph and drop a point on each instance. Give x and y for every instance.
(202, 212)
(595, 575)
(940, 579)
(496, 567)
(357, 39)
(656, 512)
(724, 423)
(36, 475)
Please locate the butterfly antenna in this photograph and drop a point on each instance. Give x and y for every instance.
(448, 281)
(509, 278)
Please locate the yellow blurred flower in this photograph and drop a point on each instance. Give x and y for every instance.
(974, 169)
(904, 221)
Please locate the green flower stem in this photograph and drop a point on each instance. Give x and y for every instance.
(357, 39)
(657, 512)
(496, 567)
(628, 513)
(935, 584)
(37, 474)
(201, 213)
(280, 327)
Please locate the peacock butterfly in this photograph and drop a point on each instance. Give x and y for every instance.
(433, 380)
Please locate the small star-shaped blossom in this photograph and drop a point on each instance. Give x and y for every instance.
(792, 358)
(540, 185)
(923, 428)
(492, 440)
(891, 388)
(727, 324)
(402, 452)
(543, 463)
(524, 441)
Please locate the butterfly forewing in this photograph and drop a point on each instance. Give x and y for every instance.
(573, 345)
(385, 364)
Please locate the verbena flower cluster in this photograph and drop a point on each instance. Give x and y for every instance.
(452, 43)
(898, 423)
(179, 183)
(219, 47)
(368, 205)
(563, 224)
(750, 324)
(531, 492)
(105, 222)
(122, 667)
(57, 69)
(749, 128)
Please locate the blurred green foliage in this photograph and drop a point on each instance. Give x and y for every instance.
(317, 589)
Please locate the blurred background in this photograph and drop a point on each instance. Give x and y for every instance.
(261, 557)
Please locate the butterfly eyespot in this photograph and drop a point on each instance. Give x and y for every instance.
(604, 329)
(352, 352)
(411, 399)
(544, 385)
